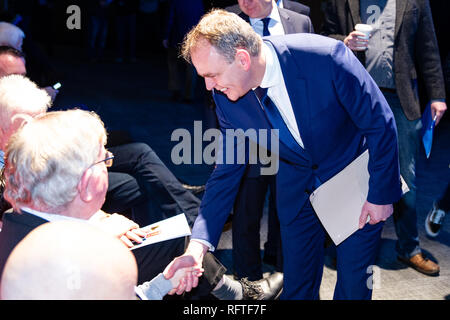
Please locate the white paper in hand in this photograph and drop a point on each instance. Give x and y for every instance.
(163, 230)
(339, 201)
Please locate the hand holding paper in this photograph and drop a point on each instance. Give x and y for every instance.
(438, 109)
(374, 213)
(163, 230)
(428, 124)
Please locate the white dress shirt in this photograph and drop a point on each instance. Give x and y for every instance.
(275, 25)
(50, 217)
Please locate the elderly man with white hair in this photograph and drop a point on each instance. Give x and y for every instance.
(56, 169)
(138, 181)
(54, 177)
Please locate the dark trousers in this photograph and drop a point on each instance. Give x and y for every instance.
(97, 35)
(247, 213)
(140, 181)
(126, 36)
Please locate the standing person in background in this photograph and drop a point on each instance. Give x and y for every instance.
(182, 16)
(402, 48)
(98, 13)
(125, 12)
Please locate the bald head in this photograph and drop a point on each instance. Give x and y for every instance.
(11, 63)
(70, 261)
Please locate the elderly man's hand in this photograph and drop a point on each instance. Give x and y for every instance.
(193, 257)
(120, 226)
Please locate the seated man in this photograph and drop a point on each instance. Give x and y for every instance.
(84, 264)
(51, 177)
(139, 180)
(12, 36)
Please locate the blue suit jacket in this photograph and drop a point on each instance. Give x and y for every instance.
(340, 113)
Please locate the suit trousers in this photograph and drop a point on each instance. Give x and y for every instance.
(303, 254)
(138, 179)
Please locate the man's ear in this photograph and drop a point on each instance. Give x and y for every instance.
(85, 185)
(243, 59)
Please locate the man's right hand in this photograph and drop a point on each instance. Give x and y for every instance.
(355, 43)
(193, 257)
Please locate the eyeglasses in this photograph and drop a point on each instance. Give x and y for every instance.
(108, 159)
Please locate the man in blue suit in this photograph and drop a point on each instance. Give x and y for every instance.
(328, 110)
(266, 19)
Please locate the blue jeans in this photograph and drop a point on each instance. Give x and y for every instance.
(405, 216)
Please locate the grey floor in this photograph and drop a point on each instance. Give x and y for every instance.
(134, 97)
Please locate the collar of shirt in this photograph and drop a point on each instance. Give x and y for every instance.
(51, 217)
(275, 26)
(273, 69)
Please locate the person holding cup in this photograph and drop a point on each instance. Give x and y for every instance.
(358, 40)
(401, 47)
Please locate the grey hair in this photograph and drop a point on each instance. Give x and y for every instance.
(225, 31)
(19, 95)
(47, 157)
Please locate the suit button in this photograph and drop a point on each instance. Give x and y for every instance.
(315, 167)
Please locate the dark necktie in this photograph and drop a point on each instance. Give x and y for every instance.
(275, 118)
(265, 22)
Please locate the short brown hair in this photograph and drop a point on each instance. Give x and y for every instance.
(225, 31)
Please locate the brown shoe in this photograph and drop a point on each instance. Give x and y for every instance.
(421, 264)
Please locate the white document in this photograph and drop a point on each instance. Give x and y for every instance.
(163, 230)
(338, 202)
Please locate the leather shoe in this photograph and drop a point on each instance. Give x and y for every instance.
(265, 289)
(421, 264)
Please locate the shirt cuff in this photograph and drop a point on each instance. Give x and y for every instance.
(206, 243)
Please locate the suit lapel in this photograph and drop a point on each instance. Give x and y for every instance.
(287, 26)
(355, 11)
(244, 16)
(400, 7)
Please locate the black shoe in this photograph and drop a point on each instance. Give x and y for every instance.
(194, 189)
(434, 220)
(265, 289)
